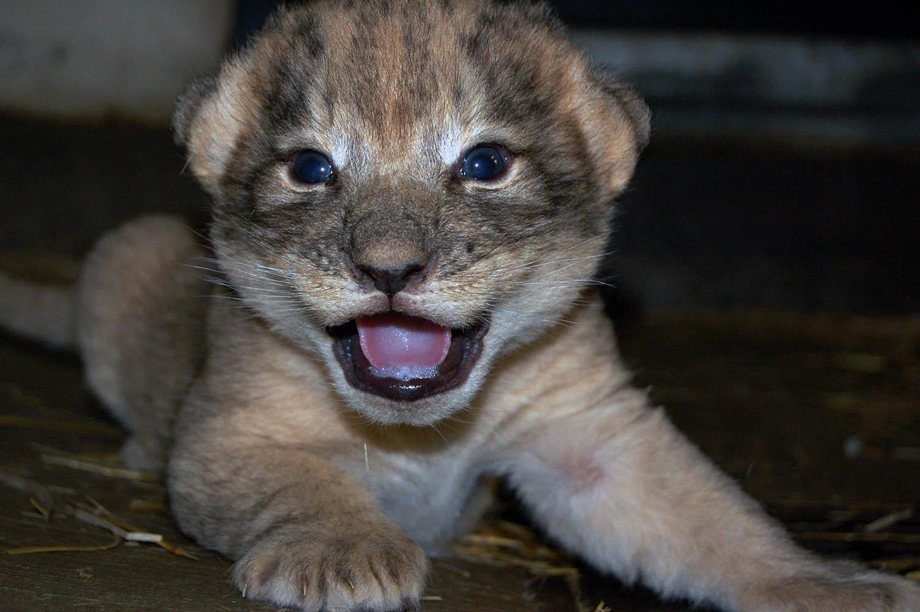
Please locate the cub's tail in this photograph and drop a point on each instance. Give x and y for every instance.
(39, 311)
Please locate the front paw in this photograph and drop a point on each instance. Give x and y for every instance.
(314, 568)
(854, 591)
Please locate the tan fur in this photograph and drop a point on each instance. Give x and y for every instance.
(224, 116)
(326, 495)
(140, 329)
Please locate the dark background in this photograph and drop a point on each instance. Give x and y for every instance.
(881, 20)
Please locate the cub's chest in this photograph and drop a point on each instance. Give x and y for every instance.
(430, 498)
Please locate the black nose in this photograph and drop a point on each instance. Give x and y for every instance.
(392, 281)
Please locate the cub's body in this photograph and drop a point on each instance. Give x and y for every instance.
(410, 201)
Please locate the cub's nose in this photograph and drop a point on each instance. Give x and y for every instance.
(392, 281)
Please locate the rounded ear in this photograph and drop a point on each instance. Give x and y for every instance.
(210, 117)
(635, 108)
(615, 123)
(188, 104)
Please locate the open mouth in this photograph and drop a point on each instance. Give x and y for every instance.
(405, 358)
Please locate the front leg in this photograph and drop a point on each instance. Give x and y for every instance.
(303, 533)
(620, 486)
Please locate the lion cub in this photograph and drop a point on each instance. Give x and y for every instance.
(409, 197)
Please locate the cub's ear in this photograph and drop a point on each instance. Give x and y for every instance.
(635, 108)
(210, 117)
(615, 123)
(188, 104)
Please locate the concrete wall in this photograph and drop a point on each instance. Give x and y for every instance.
(815, 92)
(93, 58)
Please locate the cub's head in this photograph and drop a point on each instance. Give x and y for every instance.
(410, 189)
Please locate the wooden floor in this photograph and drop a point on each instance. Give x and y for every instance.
(818, 417)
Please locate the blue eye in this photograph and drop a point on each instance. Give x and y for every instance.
(312, 167)
(483, 163)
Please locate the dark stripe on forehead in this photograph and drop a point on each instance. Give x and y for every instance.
(296, 62)
(509, 69)
(389, 70)
(309, 38)
(286, 101)
(418, 75)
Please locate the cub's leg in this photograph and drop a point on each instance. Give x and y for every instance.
(304, 533)
(140, 328)
(620, 486)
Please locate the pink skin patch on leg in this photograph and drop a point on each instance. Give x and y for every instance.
(583, 472)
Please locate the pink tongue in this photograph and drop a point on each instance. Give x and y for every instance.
(395, 341)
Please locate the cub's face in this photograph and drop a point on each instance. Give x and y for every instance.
(410, 189)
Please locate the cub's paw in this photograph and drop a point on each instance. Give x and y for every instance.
(860, 591)
(373, 570)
